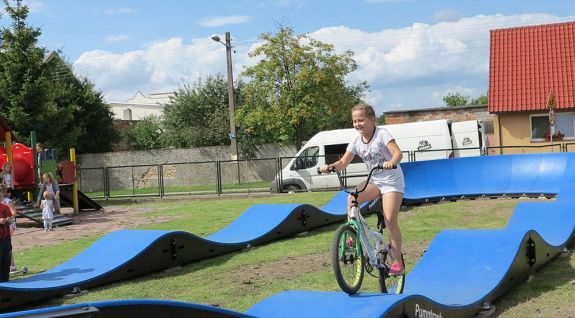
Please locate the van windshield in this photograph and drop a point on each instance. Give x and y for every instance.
(308, 158)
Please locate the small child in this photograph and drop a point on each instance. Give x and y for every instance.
(5, 241)
(47, 207)
(7, 176)
(5, 195)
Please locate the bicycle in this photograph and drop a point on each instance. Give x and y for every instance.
(357, 248)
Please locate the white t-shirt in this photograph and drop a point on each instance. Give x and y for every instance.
(47, 209)
(374, 153)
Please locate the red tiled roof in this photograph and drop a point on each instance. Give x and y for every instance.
(526, 63)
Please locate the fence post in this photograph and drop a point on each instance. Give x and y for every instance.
(161, 180)
(218, 178)
(278, 173)
(106, 173)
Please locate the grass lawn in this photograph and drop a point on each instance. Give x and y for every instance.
(262, 186)
(302, 262)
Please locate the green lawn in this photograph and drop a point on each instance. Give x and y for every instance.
(300, 262)
(261, 186)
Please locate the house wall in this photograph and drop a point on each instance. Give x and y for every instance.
(139, 111)
(514, 129)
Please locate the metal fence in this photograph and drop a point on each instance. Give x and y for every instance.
(250, 176)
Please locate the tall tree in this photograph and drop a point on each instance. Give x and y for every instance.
(297, 88)
(198, 114)
(147, 133)
(38, 91)
(23, 87)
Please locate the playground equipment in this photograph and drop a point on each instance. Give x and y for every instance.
(482, 264)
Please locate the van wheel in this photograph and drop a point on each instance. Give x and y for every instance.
(292, 188)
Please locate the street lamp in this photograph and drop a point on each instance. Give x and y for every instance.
(233, 138)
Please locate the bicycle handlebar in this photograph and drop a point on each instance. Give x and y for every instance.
(378, 167)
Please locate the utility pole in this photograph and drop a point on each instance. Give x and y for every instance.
(234, 143)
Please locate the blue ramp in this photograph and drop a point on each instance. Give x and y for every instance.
(481, 264)
(130, 253)
(463, 269)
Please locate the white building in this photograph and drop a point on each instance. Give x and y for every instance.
(140, 106)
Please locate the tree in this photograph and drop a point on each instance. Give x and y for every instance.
(381, 119)
(23, 87)
(480, 100)
(297, 88)
(39, 92)
(455, 99)
(147, 133)
(198, 114)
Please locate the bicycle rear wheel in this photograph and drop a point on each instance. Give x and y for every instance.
(347, 259)
(390, 284)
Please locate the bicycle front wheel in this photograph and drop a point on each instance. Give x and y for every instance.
(390, 284)
(347, 259)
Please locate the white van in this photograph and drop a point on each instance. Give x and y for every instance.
(326, 147)
(468, 138)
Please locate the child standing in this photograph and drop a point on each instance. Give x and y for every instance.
(5, 241)
(8, 202)
(47, 207)
(376, 146)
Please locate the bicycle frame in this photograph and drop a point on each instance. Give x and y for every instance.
(368, 238)
(365, 233)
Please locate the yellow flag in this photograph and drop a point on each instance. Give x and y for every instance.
(551, 101)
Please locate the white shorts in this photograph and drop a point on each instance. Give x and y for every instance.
(386, 186)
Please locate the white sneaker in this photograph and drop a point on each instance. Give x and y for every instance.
(13, 269)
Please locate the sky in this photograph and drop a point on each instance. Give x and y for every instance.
(410, 52)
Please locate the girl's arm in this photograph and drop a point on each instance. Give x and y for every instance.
(396, 155)
(12, 208)
(56, 189)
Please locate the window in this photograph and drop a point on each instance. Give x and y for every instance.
(564, 124)
(127, 114)
(334, 152)
(307, 159)
(539, 127)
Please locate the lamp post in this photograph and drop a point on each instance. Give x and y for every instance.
(233, 138)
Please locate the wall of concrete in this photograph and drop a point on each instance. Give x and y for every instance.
(179, 167)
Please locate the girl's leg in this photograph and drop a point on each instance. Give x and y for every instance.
(45, 225)
(391, 205)
(50, 224)
(370, 193)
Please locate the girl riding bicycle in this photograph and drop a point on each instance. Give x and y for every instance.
(375, 146)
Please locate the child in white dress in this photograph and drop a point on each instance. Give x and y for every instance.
(47, 207)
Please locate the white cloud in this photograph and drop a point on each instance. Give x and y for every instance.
(36, 6)
(119, 11)
(224, 20)
(406, 68)
(117, 38)
(412, 67)
(161, 66)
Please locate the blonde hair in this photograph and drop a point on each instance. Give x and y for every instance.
(49, 175)
(48, 195)
(366, 108)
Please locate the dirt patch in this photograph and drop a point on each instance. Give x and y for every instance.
(31, 234)
(282, 269)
